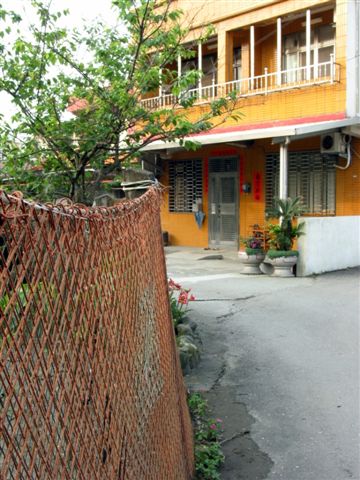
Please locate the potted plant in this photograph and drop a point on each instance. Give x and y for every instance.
(252, 256)
(281, 256)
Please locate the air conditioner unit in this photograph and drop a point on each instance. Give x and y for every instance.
(334, 143)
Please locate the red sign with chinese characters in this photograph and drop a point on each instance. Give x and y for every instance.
(257, 186)
(223, 152)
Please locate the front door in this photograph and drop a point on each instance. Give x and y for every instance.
(223, 202)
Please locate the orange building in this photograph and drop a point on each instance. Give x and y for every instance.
(295, 67)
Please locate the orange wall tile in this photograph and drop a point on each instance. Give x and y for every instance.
(182, 227)
(297, 103)
(348, 184)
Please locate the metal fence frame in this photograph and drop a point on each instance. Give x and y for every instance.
(90, 382)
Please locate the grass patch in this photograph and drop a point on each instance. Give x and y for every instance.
(207, 434)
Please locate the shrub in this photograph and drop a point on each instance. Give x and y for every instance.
(282, 236)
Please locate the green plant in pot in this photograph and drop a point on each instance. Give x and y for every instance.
(282, 236)
(252, 256)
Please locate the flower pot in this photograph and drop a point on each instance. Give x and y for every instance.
(251, 263)
(282, 266)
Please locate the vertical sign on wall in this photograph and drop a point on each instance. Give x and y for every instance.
(257, 186)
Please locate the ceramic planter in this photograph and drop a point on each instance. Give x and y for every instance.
(279, 266)
(251, 263)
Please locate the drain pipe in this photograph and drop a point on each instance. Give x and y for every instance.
(348, 157)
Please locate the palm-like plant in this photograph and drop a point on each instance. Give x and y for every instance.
(282, 236)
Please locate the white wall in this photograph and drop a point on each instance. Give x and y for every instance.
(329, 243)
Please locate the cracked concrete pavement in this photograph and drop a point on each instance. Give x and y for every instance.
(280, 365)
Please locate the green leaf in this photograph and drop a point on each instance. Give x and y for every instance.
(104, 74)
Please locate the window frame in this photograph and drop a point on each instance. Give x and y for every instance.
(321, 173)
(190, 185)
(237, 63)
(300, 49)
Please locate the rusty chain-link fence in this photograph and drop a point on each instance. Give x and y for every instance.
(90, 385)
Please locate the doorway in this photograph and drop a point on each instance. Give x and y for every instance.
(223, 202)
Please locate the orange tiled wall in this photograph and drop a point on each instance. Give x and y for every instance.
(348, 184)
(183, 229)
(297, 103)
(252, 210)
(292, 104)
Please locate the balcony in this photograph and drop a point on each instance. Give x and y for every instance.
(290, 79)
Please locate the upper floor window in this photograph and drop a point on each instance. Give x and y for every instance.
(237, 64)
(209, 69)
(294, 51)
(190, 65)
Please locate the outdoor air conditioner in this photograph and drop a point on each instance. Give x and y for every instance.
(334, 143)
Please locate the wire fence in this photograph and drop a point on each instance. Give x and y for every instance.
(90, 384)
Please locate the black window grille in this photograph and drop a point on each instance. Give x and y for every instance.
(185, 181)
(311, 176)
(222, 165)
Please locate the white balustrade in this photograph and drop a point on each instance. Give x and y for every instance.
(321, 73)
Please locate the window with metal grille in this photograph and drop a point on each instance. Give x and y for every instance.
(311, 176)
(185, 180)
(220, 165)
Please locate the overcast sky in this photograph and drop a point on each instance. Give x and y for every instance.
(80, 11)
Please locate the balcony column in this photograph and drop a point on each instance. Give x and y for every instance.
(278, 50)
(160, 83)
(200, 68)
(252, 56)
(179, 66)
(308, 44)
(283, 185)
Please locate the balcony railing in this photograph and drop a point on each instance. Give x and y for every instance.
(321, 73)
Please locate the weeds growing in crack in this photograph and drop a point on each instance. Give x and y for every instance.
(207, 434)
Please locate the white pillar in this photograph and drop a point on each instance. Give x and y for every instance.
(200, 68)
(283, 187)
(308, 44)
(252, 55)
(179, 67)
(278, 51)
(332, 67)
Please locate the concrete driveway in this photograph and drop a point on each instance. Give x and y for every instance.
(280, 365)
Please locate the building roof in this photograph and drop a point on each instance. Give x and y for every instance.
(77, 104)
(299, 128)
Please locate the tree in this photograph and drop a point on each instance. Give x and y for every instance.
(43, 75)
